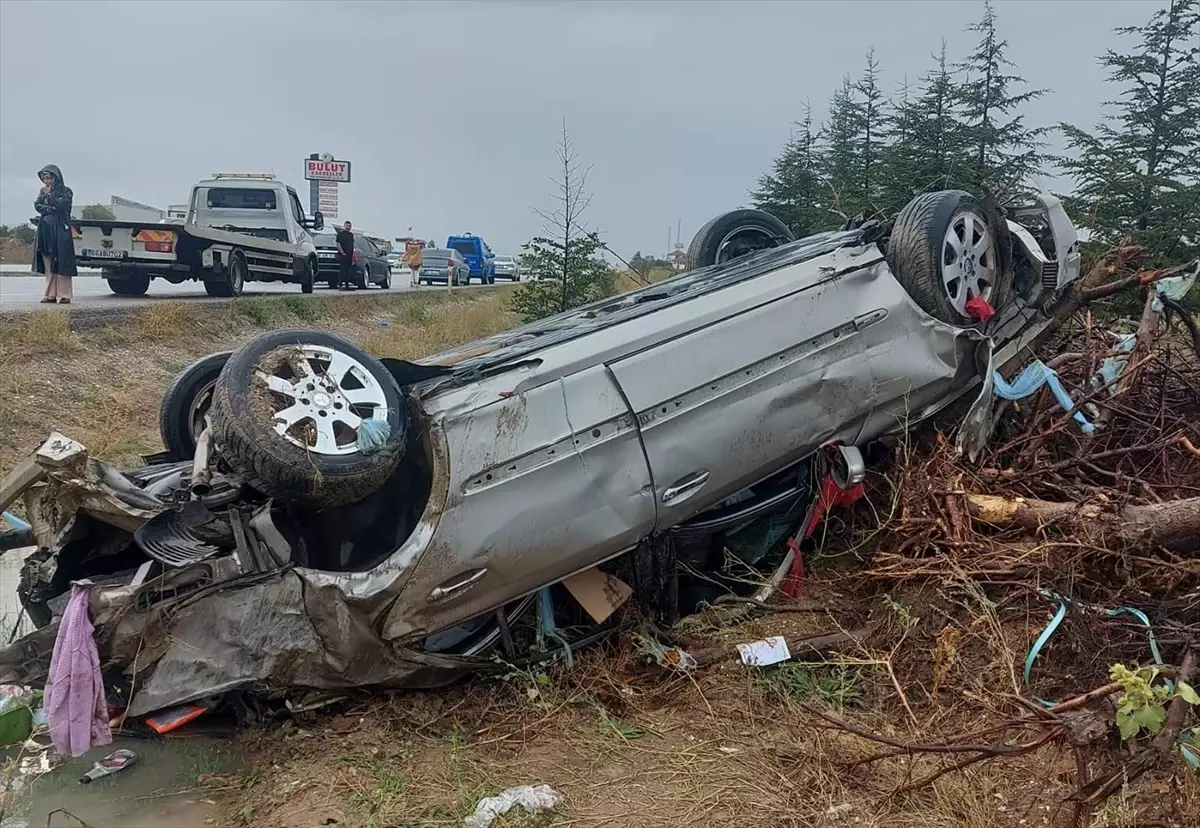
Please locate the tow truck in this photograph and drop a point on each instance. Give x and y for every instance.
(239, 227)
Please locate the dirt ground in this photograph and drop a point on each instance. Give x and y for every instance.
(625, 743)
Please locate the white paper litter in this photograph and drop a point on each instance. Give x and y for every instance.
(766, 652)
(533, 800)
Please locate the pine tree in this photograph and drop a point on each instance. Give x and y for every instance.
(873, 125)
(841, 151)
(898, 159)
(566, 264)
(1005, 152)
(927, 142)
(792, 190)
(1137, 173)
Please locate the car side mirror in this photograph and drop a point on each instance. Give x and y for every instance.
(318, 221)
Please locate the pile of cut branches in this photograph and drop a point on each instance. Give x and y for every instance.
(1087, 536)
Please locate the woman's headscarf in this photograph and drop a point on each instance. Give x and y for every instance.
(54, 171)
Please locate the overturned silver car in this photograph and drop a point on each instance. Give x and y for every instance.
(323, 520)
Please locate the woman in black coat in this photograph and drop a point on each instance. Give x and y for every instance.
(54, 250)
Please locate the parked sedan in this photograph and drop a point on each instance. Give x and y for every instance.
(371, 266)
(439, 264)
(507, 268)
(325, 520)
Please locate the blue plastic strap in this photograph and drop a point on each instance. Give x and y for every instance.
(1030, 381)
(1041, 642)
(546, 624)
(1141, 616)
(15, 522)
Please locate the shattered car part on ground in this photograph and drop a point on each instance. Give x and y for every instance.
(667, 430)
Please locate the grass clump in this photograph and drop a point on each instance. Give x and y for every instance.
(41, 332)
(305, 308)
(831, 686)
(260, 311)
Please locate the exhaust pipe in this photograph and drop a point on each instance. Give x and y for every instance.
(201, 473)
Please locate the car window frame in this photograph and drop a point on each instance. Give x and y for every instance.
(297, 208)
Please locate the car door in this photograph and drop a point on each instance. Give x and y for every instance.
(546, 477)
(364, 260)
(778, 372)
(378, 265)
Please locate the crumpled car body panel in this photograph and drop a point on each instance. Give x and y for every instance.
(562, 444)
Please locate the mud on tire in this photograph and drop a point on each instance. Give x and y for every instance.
(289, 467)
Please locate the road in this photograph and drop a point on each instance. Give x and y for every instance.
(91, 291)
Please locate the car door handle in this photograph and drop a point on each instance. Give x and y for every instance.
(447, 590)
(685, 486)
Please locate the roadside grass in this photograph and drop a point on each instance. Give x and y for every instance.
(103, 385)
(45, 331)
(627, 280)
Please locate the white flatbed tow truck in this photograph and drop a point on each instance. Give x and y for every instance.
(240, 227)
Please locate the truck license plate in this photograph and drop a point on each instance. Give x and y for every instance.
(93, 253)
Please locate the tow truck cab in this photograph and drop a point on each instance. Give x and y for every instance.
(478, 256)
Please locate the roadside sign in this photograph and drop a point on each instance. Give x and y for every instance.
(316, 169)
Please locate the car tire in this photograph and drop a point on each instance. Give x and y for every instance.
(234, 282)
(243, 416)
(386, 284)
(735, 234)
(310, 277)
(181, 413)
(921, 242)
(134, 285)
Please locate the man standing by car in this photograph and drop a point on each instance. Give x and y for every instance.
(345, 245)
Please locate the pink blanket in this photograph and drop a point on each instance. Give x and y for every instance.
(74, 698)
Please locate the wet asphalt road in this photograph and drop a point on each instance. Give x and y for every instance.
(18, 293)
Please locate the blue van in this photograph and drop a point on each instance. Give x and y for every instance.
(478, 256)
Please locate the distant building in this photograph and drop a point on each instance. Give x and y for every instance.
(678, 258)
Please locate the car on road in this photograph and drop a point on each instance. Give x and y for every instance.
(507, 268)
(443, 265)
(370, 265)
(240, 227)
(323, 520)
(478, 256)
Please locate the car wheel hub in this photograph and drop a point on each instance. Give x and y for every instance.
(198, 410)
(968, 261)
(320, 399)
(744, 241)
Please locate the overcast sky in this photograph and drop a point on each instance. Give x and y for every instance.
(449, 111)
